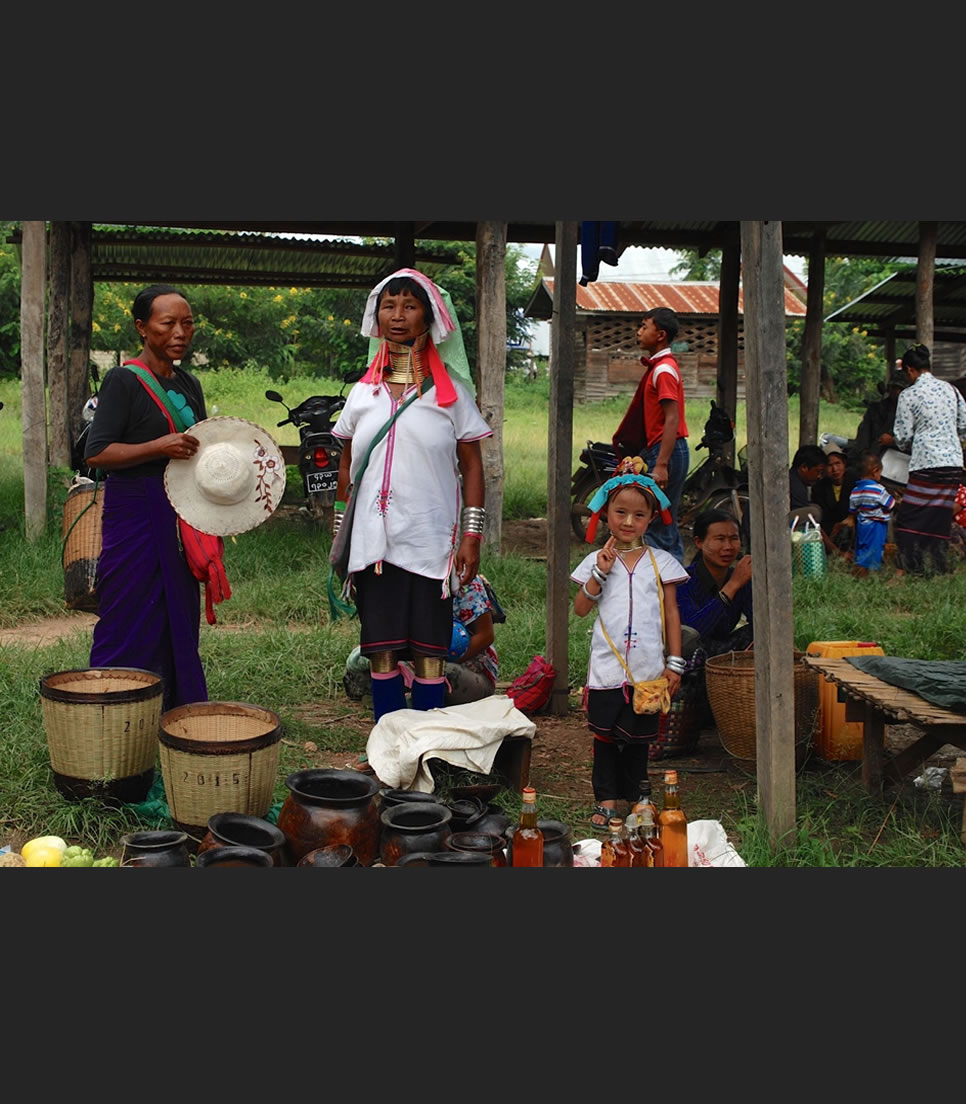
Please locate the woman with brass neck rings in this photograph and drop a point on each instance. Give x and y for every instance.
(418, 519)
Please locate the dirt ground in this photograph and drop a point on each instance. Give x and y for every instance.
(714, 785)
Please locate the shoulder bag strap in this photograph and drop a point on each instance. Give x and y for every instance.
(385, 429)
(157, 392)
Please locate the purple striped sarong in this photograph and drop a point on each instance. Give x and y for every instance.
(148, 600)
(924, 519)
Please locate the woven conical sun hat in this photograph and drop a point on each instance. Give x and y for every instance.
(234, 481)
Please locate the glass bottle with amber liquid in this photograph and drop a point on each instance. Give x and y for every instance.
(527, 847)
(673, 824)
(614, 850)
(635, 841)
(645, 800)
(651, 839)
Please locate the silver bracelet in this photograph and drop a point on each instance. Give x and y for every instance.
(596, 573)
(473, 518)
(591, 597)
(675, 664)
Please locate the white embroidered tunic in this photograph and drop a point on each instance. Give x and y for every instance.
(629, 608)
(408, 506)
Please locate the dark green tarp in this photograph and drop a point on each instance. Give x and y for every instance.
(940, 681)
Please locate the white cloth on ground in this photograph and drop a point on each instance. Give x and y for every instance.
(466, 736)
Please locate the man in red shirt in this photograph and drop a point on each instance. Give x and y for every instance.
(660, 400)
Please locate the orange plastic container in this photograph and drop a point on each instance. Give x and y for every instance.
(838, 739)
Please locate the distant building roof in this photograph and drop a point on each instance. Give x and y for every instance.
(683, 297)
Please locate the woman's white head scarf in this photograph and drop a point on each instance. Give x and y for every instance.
(445, 328)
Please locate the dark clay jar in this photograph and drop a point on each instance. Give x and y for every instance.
(244, 830)
(414, 826)
(445, 858)
(155, 849)
(479, 843)
(558, 848)
(493, 821)
(337, 854)
(331, 806)
(389, 798)
(234, 856)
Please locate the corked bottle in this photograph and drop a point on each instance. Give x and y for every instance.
(640, 855)
(614, 850)
(528, 838)
(673, 823)
(645, 801)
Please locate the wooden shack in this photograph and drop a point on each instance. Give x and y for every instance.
(609, 313)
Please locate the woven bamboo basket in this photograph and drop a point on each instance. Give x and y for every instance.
(730, 680)
(679, 730)
(102, 731)
(82, 545)
(218, 757)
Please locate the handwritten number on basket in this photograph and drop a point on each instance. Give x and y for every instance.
(214, 779)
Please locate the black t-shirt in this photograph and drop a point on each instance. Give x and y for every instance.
(128, 414)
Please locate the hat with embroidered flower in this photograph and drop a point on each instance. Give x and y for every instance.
(234, 481)
(629, 473)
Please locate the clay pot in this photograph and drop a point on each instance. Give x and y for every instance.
(331, 806)
(234, 856)
(465, 811)
(413, 826)
(445, 858)
(155, 849)
(244, 830)
(336, 854)
(558, 848)
(389, 798)
(479, 843)
(493, 821)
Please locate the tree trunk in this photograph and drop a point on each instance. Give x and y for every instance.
(924, 284)
(559, 456)
(766, 391)
(81, 306)
(491, 360)
(33, 280)
(58, 322)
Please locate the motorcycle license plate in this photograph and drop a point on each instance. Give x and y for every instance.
(321, 481)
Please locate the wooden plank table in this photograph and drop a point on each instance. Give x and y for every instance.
(876, 704)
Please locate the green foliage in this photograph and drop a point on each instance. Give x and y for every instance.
(694, 266)
(9, 302)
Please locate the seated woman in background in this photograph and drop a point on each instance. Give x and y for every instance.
(718, 591)
(831, 493)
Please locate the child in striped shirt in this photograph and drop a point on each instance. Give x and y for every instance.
(869, 507)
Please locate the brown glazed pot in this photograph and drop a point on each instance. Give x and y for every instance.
(413, 826)
(244, 830)
(324, 807)
(558, 848)
(155, 849)
(479, 843)
(234, 856)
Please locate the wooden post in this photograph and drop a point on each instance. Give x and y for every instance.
(890, 354)
(765, 390)
(491, 361)
(58, 322)
(405, 245)
(727, 382)
(925, 274)
(81, 309)
(811, 380)
(33, 282)
(559, 458)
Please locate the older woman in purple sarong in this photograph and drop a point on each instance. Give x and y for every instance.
(148, 600)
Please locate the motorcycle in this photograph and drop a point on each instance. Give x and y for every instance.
(319, 451)
(713, 484)
(77, 461)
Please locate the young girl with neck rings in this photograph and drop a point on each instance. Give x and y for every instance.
(627, 582)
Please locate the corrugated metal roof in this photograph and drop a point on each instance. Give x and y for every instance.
(891, 304)
(136, 255)
(683, 297)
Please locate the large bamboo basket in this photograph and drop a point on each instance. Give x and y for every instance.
(82, 545)
(218, 757)
(102, 731)
(730, 680)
